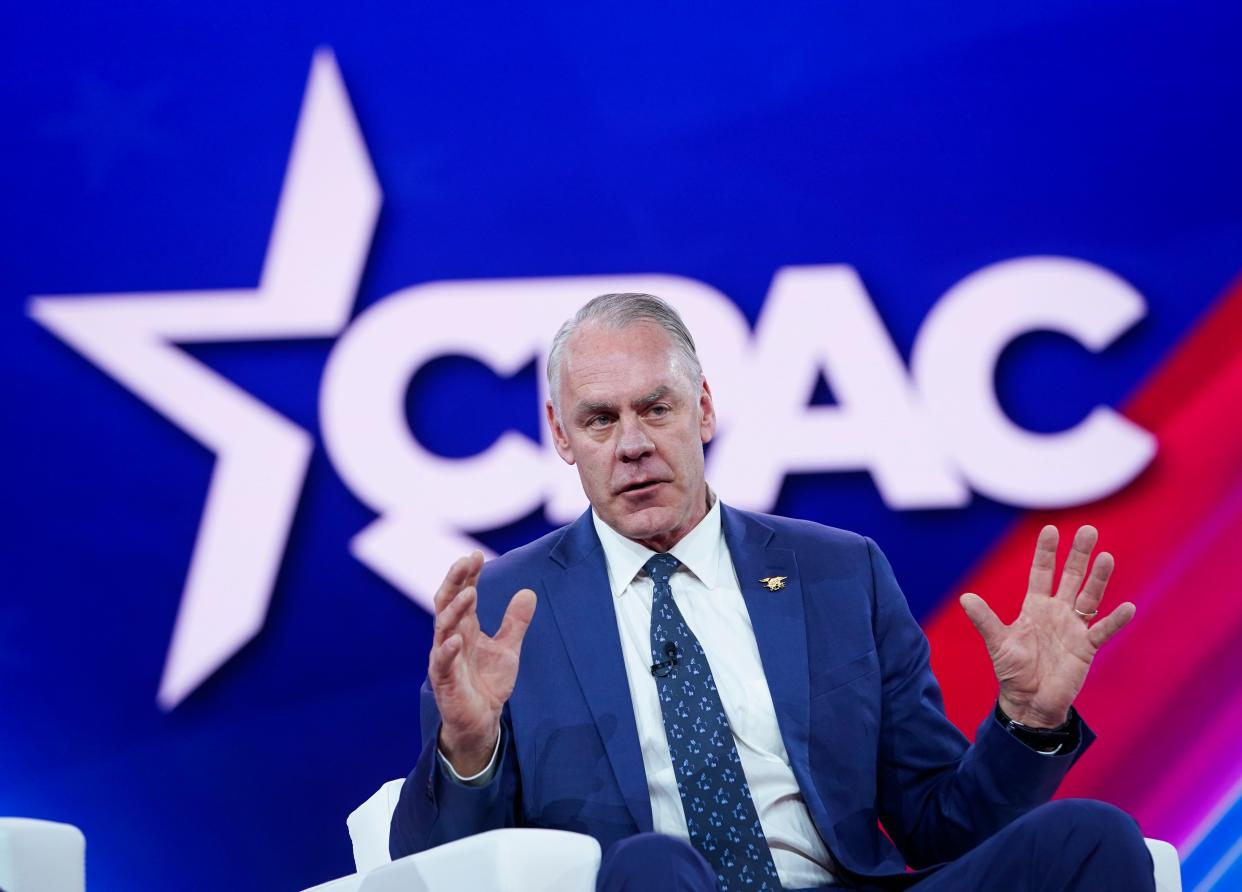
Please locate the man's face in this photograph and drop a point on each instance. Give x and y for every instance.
(634, 424)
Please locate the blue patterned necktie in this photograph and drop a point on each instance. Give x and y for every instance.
(720, 814)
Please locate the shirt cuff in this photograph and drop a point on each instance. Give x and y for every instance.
(483, 778)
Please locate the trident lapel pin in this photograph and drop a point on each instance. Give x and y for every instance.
(774, 583)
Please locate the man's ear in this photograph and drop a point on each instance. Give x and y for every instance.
(707, 413)
(559, 438)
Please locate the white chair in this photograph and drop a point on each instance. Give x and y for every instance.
(504, 860)
(1168, 867)
(41, 856)
(368, 826)
(513, 860)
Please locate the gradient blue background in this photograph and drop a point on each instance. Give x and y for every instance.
(144, 146)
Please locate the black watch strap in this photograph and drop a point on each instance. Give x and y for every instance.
(1049, 741)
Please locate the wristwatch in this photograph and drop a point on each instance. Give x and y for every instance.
(1048, 741)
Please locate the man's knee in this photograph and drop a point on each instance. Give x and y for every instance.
(654, 861)
(1094, 842)
(1088, 820)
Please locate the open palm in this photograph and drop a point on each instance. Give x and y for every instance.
(472, 673)
(1041, 659)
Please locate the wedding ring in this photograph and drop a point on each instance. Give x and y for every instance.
(1087, 616)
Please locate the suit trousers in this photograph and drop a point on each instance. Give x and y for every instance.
(1071, 845)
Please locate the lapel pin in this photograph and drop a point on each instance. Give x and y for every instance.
(774, 583)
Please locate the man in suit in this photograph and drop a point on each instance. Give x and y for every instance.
(728, 700)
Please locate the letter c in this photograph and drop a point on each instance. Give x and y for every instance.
(954, 362)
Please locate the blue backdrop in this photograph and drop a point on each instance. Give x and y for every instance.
(144, 149)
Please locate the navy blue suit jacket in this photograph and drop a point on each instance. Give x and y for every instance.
(858, 707)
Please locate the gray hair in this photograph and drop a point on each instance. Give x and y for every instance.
(620, 311)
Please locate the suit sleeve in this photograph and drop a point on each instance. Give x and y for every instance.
(434, 808)
(939, 796)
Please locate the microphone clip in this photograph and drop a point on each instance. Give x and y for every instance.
(664, 668)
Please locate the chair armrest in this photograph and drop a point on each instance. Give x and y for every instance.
(368, 826)
(511, 860)
(1168, 867)
(41, 856)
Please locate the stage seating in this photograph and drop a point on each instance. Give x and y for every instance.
(522, 860)
(514, 860)
(41, 856)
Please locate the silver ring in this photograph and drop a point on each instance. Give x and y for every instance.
(1087, 616)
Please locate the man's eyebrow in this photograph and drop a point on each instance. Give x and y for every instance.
(654, 397)
(591, 407)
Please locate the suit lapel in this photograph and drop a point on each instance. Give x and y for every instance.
(581, 602)
(779, 622)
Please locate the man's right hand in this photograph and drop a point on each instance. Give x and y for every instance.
(471, 673)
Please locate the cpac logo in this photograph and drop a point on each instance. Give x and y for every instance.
(929, 436)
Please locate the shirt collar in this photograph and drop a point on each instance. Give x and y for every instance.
(699, 550)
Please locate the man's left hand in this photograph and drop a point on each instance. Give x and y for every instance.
(1041, 660)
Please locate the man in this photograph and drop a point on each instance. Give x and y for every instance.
(736, 701)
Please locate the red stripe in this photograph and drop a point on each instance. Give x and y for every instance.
(1175, 559)
(1167, 695)
(1181, 795)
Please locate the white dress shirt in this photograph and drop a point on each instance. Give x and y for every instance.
(706, 591)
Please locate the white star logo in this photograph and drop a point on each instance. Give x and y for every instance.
(319, 244)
